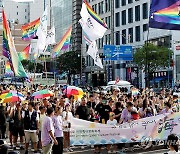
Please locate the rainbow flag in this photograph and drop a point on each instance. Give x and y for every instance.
(64, 43)
(135, 92)
(8, 71)
(9, 50)
(94, 15)
(29, 30)
(25, 53)
(165, 14)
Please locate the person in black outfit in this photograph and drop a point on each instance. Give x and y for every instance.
(103, 110)
(91, 103)
(82, 111)
(2, 122)
(118, 110)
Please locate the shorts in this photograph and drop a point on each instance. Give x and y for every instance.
(17, 131)
(11, 127)
(31, 136)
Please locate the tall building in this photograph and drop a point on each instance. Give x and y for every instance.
(61, 16)
(37, 8)
(16, 12)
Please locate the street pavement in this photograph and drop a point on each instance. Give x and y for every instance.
(90, 150)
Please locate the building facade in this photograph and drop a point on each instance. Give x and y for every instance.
(16, 12)
(61, 16)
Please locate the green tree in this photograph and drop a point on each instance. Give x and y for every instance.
(69, 62)
(151, 58)
(30, 66)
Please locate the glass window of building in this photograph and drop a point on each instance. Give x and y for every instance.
(130, 1)
(130, 35)
(145, 10)
(99, 8)
(145, 27)
(123, 2)
(117, 19)
(109, 5)
(106, 6)
(95, 8)
(130, 15)
(123, 17)
(137, 13)
(138, 32)
(123, 36)
(102, 7)
(17, 13)
(117, 5)
(117, 38)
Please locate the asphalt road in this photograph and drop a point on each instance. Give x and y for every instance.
(130, 150)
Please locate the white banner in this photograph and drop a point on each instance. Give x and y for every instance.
(155, 128)
(23, 1)
(50, 38)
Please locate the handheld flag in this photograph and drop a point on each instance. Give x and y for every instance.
(29, 30)
(25, 53)
(165, 14)
(63, 44)
(50, 38)
(8, 71)
(93, 52)
(42, 31)
(91, 23)
(9, 50)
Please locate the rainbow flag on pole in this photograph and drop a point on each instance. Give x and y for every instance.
(29, 30)
(25, 53)
(9, 50)
(8, 71)
(64, 43)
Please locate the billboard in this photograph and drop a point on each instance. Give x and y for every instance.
(117, 52)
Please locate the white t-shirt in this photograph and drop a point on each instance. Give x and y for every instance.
(66, 122)
(173, 152)
(112, 122)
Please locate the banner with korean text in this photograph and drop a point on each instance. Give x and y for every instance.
(151, 128)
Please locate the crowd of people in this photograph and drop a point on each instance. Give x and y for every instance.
(46, 123)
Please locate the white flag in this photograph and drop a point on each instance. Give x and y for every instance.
(90, 26)
(23, 0)
(42, 31)
(50, 38)
(93, 52)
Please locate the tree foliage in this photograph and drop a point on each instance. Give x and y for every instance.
(30, 66)
(69, 62)
(154, 56)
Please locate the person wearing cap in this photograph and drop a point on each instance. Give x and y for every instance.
(18, 127)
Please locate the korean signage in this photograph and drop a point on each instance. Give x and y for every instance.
(156, 128)
(116, 52)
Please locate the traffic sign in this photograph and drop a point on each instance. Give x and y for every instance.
(116, 52)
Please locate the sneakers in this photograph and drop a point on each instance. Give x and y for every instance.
(70, 150)
(66, 150)
(82, 147)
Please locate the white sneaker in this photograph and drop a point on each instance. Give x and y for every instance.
(71, 150)
(66, 150)
(92, 146)
(82, 147)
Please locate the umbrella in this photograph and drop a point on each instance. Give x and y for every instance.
(42, 94)
(75, 91)
(11, 96)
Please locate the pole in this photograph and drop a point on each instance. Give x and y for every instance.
(81, 65)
